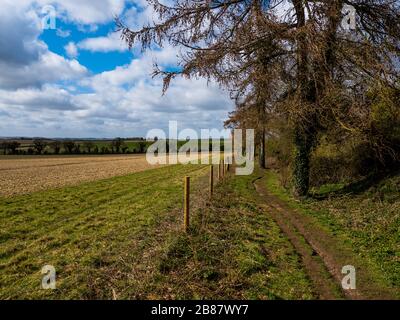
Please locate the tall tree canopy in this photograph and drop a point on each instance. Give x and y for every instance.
(295, 57)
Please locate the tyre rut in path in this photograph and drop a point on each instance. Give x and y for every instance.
(322, 255)
(321, 267)
(324, 286)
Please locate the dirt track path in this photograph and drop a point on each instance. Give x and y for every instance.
(322, 254)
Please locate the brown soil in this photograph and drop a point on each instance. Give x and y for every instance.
(27, 174)
(21, 175)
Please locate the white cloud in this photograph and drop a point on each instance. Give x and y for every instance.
(122, 102)
(63, 33)
(86, 11)
(135, 18)
(46, 98)
(50, 67)
(45, 94)
(112, 42)
(25, 61)
(19, 31)
(129, 95)
(139, 69)
(71, 49)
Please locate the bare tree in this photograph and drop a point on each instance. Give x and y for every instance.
(142, 146)
(311, 68)
(69, 146)
(116, 145)
(39, 145)
(13, 146)
(56, 146)
(4, 146)
(77, 148)
(88, 145)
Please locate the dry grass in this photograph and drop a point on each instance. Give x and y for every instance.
(21, 175)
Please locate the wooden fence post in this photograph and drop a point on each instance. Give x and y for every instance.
(233, 149)
(186, 209)
(224, 167)
(211, 180)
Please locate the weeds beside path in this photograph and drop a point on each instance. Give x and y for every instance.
(322, 250)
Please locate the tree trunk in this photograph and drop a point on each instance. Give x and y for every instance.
(303, 138)
(303, 143)
(262, 150)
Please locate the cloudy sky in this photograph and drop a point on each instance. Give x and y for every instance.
(79, 80)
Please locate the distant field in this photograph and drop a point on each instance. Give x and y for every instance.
(27, 174)
(21, 175)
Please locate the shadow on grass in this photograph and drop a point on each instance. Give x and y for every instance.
(357, 187)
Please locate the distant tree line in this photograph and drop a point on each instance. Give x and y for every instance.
(43, 146)
(71, 147)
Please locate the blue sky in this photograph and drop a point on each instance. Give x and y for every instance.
(95, 61)
(80, 80)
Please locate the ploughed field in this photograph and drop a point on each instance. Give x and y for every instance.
(22, 175)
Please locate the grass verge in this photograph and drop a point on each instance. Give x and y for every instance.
(233, 251)
(367, 222)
